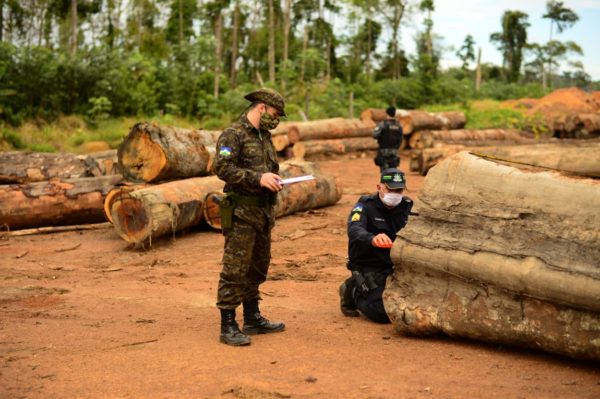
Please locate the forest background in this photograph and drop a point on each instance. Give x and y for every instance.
(75, 71)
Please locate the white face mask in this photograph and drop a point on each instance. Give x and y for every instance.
(391, 199)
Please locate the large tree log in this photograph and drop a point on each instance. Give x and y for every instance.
(28, 167)
(469, 137)
(106, 162)
(502, 254)
(580, 157)
(334, 128)
(413, 121)
(323, 191)
(152, 153)
(142, 215)
(56, 202)
(306, 149)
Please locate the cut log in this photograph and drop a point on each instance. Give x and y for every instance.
(56, 202)
(588, 124)
(323, 191)
(142, 215)
(579, 157)
(153, 153)
(413, 121)
(28, 167)
(502, 254)
(117, 193)
(334, 128)
(280, 142)
(472, 138)
(374, 115)
(306, 149)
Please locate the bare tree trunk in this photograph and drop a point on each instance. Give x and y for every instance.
(234, 43)
(180, 22)
(286, 38)
(478, 71)
(304, 49)
(271, 41)
(218, 50)
(2, 20)
(368, 63)
(73, 26)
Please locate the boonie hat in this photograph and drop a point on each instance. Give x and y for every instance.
(269, 97)
(393, 178)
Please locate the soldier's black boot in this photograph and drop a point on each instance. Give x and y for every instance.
(230, 331)
(347, 305)
(254, 323)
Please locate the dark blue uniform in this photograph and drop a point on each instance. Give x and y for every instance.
(368, 218)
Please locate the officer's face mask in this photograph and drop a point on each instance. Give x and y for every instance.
(268, 121)
(391, 199)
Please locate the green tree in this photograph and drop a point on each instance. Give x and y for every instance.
(563, 18)
(467, 52)
(511, 41)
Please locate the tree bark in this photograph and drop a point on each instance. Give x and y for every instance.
(469, 137)
(504, 254)
(56, 202)
(329, 129)
(152, 153)
(286, 38)
(306, 149)
(27, 167)
(478, 72)
(323, 191)
(139, 216)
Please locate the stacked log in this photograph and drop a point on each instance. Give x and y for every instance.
(470, 137)
(307, 149)
(153, 153)
(28, 167)
(151, 212)
(334, 128)
(322, 191)
(577, 157)
(413, 121)
(56, 202)
(504, 254)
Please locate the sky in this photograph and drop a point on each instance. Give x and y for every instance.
(455, 19)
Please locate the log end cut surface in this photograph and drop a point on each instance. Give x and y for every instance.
(211, 210)
(140, 158)
(131, 219)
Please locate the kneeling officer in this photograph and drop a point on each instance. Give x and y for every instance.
(372, 227)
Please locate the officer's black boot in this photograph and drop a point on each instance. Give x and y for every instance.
(347, 305)
(230, 332)
(254, 323)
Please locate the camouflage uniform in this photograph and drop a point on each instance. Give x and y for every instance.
(244, 153)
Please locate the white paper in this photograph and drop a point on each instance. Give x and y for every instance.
(297, 179)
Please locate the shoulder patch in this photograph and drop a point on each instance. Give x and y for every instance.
(358, 208)
(355, 217)
(225, 151)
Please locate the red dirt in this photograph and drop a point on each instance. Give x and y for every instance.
(105, 320)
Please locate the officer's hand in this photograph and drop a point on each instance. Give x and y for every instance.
(381, 241)
(271, 181)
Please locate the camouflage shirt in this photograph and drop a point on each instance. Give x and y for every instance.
(244, 153)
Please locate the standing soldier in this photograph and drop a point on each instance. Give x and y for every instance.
(388, 134)
(247, 162)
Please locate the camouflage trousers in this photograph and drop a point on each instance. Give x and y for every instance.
(246, 260)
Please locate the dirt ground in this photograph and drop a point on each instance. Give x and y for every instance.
(106, 320)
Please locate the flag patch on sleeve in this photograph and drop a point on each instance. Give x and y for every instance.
(355, 217)
(225, 151)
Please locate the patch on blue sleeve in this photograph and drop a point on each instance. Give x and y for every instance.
(358, 208)
(225, 152)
